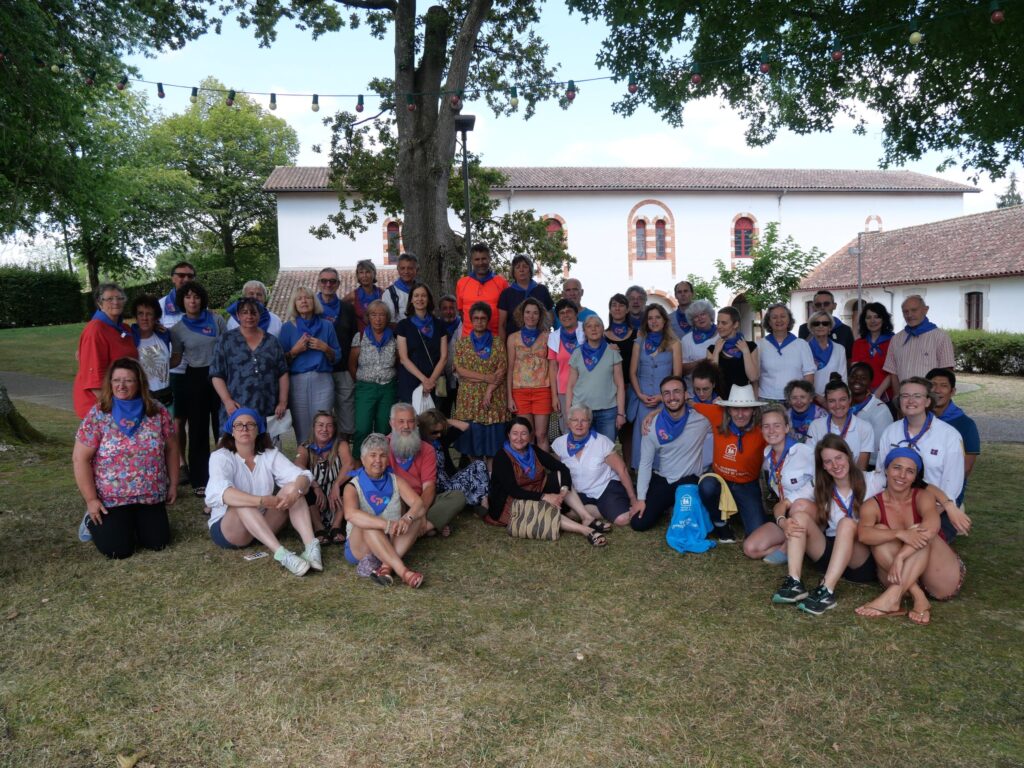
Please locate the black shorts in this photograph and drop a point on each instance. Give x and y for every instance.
(865, 573)
(612, 503)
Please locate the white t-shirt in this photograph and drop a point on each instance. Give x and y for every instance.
(859, 435)
(874, 483)
(397, 312)
(590, 472)
(168, 321)
(797, 473)
(877, 414)
(155, 359)
(836, 364)
(228, 470)
(777, 370)
(941, 449)
(274, 329)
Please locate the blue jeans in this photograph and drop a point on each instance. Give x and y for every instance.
(604, 422)
(748, 500)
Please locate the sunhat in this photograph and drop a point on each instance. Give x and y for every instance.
(741, 397)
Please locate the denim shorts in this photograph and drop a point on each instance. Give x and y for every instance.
(218, 538)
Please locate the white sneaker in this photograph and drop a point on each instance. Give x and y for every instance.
(313, 556)
(291, 561)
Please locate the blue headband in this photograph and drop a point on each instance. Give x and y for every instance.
(902, 452)
(261, 424)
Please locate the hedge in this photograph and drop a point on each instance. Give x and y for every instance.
(219, 283)
(983, 352)
(38, 296)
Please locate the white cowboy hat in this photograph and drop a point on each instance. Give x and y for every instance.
(741, 397)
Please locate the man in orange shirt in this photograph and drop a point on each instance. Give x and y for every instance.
(481, 285)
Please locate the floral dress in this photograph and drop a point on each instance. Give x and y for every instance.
(486, 430)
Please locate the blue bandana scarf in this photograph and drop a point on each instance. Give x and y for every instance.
(569, 341)
(591, 357)
(482, 344)
(321, 452)
(952, 412)
(919, 330)
(449, 328)
(313, 326)
(709, 401)
(384, 337)
(619, 330)
(775, 467)
(846, 424)
(790, 338)
(739, 436)
(699, 336)
(377, 493)
(731, 346)
(667, 429)
(802, 421)
(164, 336)
(527, 290)
(845, 505)
(875, 347)
(652, 341)
(204, 325)
(527, 460)
(404, 287)
(856, 408)
(404, 463)
(127, 415)
(331, 308)
(912, 441)
(682, 322)
(529, 336)
(424, 325)
(821, 356)
(485, 279)
(365, 299)
(106, 319)
(635, 322)
(574, 446)
(264, 322)
(170, 303)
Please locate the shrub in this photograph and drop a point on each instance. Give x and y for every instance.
(984, 352)
(221, 284)
(39, 295)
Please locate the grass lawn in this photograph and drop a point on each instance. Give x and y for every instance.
(46, 351)
(514, 653)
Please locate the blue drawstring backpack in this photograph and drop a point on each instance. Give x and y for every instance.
(690, 522)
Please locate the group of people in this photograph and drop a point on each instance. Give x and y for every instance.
(380, 384)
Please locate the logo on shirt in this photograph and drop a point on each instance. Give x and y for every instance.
(793, 480)
(731, 451)
(935, 451)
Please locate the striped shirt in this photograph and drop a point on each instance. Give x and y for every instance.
(919, 354)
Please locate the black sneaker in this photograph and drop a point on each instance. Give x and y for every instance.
(820, 601)
(723, 534)
(791, 591)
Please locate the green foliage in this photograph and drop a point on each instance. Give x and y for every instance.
(222, 285)
(956, 93)
(1011, 196)
(22, 292)
(703, 289)
(774, 272)
(985, 352)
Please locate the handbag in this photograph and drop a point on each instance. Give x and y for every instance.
(441, 385)
(533, 519)
(420, 401)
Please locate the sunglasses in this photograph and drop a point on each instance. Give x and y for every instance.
(328, 281)
(820, 324)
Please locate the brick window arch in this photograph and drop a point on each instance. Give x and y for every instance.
(392, 241)
(742, 237)
(555, 226)
(651, 234)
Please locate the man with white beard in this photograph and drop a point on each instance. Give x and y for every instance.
(416, 462)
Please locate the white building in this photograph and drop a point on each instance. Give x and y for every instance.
(645, 226)
(969, 270)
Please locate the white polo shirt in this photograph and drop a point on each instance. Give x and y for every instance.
(778, 369)
(874, 483)
(859, 435)
(941, 449)
(877, 414)
(590, 472)
(797, 475)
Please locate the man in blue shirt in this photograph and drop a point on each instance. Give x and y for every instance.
(943, 382)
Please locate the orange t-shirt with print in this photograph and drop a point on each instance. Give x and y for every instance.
(729, 462)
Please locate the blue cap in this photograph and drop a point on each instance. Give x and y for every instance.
(261, 423)
(902, 452)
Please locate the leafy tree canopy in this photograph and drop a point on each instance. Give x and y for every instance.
(1011, 196)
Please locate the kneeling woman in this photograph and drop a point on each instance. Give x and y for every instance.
(826, 532)
(243, 472)
(901, 526)
(379, 534)
(523, 472)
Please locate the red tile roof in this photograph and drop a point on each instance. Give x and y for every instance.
(308, 179)
(967, 247)
(290, 279)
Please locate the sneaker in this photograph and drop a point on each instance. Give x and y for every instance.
(313, 556)
(791, 591)
(819, 601)
(723, 534)
(778, 557)
(291, 561)
(84, 534)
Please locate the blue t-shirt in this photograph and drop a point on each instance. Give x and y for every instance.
(972, 443)
(311, 359)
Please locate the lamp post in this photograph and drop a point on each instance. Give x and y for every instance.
(857, 250)
(464, 124)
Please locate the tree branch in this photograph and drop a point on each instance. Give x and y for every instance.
(370, 5)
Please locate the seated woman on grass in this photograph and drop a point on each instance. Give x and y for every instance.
(379, 533)
(825, 532)
(789, 466)
(901, 525)
(329, 458)
(244, 470)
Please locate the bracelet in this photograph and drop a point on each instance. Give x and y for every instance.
(782, 518)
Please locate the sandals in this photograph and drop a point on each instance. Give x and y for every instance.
(878, 613)
(601, 526)
(597, 539)
(921, 618)
(383, 576)
(412, 578)
(322, 537)
(199, 491)
(337, 535)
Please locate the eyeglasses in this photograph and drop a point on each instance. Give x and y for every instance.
(244, 426)
(820, 324)
(913, 396)
(436, 432)
(185, 275)
(328, 281)
(113, 299)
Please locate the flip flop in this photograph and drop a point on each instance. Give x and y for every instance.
(923, 618)
(878, 613)
(597, 539)
(601, 526)
(413, 579)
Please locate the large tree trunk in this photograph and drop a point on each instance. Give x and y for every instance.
(13, 425)
(228, 241)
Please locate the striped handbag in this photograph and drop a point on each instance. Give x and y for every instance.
(533, 519)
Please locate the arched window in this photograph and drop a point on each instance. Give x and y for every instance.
(394, 242)
(641, 240)
(743, 238)
(659, 239)
(975, 311)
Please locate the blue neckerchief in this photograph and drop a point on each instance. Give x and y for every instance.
(482, 280)
(775, 467)
(620, 330)
(385, 337)
(483, 344)
(709, 401)
(875, 347)
(952, 412)
(731, 346)
(164, 336)
(127, 415)
(846, 506)
(264, 322)
(527, 460)
(106, 319)
(569, 340)
(424, 325)
(682, 322)
(321, 451)
(331, 308)
(404, 287)
(790, 338)
(802, 421)
(313, 326)
(365, 299)
(405, 463)
(821, 356)
(204, 325)
(652, 341)
(856, 408)
(527, 290)
(377, 493)
(739, 436)
(912, 441)
(919, 330)
(635, 322)
(574, 446)
(449, 328)
(846, 424)
(170, 303)
(667, 429)
(591, 357)
(529, 335)
(699, 336)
